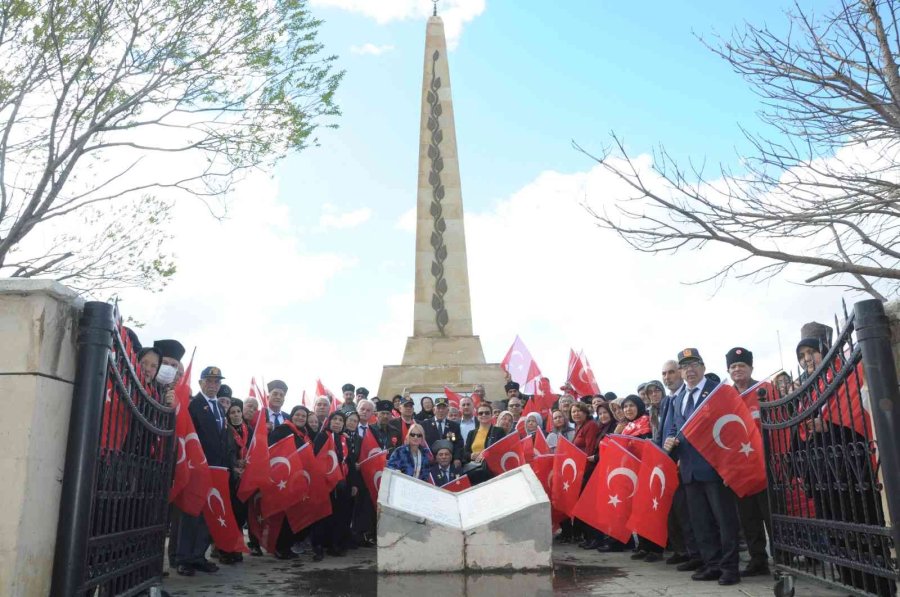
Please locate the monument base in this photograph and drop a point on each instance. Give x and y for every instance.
(431, 379)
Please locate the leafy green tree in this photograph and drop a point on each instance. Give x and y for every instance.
(114, 109)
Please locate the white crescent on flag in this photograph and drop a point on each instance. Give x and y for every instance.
(214, 493)
(334, 461)
(658, 473)
(569, 462)
(623, 472)
(507, 456)
(280, 460)
(720, 423)
(376, 480)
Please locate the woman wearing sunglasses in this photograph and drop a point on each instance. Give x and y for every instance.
(413, 458)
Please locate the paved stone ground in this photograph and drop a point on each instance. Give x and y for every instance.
(576, 573)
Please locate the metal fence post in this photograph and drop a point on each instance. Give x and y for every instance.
(94, 342)
(873, 333)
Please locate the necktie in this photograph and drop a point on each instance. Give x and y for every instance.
(215, 408)
(362, 431)
(441, 427)
(690, 403)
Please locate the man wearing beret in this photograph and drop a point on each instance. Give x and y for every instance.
(210, 424)
(277, 392)
(361, 394)
(443, 470)
(440, 427)
(712, 505)
(752, 509)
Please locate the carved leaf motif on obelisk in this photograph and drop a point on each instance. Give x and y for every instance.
(437, 195)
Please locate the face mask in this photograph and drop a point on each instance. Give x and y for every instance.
(166, 374)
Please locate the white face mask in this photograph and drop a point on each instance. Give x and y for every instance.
(166, 374)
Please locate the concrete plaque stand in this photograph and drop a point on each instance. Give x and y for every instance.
(502, 524)
(442, 350)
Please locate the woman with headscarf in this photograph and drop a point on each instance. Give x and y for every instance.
(586, 439)
(329, 532)
(295, 426)
(237, 442)
(561, 428)
(638, 425)
(413, 458)
(427, 411)
(505, 422)
(534, 424)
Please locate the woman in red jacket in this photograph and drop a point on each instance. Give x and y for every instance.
(586, 438)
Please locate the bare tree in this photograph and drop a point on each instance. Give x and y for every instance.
(113, 109)
(825, 193)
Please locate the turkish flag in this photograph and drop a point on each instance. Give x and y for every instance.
(371, 469)
(452, 397)
(606, 501)
(500, 455)
(369, 445)
(521, 366)
(183, 427)
(527, 448)
(317, 503)
(569, 464)
(287, 484)
(223, 528)
(581, 376)
(328, 460)
(542, 402)
(543, 468)
(657, 482)
(457, 485)
(723, 431)
(256, 472)
(541, 448)
(264, 529)
(192, 497)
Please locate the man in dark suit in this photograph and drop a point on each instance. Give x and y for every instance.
(712, 505)
(406, 419)
(443, 471)
(210, 424)
(440, 427)
(388, 437)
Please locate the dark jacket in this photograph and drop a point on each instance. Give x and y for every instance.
(212, 439)
(388, 438)
(452, 433)
(495, 434)
(691, 465)
(440, 478)
(283, 431)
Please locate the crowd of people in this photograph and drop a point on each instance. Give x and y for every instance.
(443, 441)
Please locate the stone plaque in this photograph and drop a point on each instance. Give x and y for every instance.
(421, 499)
(490, 501)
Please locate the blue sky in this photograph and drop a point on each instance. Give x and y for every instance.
(322, 284)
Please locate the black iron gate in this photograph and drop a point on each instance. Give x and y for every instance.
(833, 463)
(119, 461)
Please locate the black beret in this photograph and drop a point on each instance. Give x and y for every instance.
(609, 396)
(277, 384)
(362, 390)
(384, 406)
(224, 391)
(511, 385)
(348, 387)
(170, 348)
(738, 355)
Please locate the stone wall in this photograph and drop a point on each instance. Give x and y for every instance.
(38, 328)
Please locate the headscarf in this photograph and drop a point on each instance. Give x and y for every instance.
(537, 417)
(606, 427)
(512, 418)
(306, 430)
(641, 423)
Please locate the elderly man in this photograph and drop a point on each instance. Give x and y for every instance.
(712, 505)
(277, 392)
(361, 394)
(752, 509)
(347, 390)
(440, 427)
(321, 408)
(210, 424)
(388, 437)
(406, 419)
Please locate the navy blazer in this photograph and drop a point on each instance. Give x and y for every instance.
(692, 466)
(451, 430)
(212, 439)
(440, 478)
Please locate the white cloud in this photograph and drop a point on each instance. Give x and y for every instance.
(333, 219)
(407, 220)
(455, 13)
(371, 49)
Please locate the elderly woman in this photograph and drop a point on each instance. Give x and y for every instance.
(505, 422)
(331, 531)
(413, 458)
(561, 428)
(427, 411)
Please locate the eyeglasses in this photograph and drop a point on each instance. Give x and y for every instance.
(415, 435)
(693, 365)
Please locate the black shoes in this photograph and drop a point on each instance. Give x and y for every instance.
(689, 565)
(206, 567)
(286, 555)
(707, 574)
(756, 568)
(255, 550)
(653, 557)
(589, 544)
(639, 555)
(729, 578)
(185, 570)
(678, 558)
(610, 547)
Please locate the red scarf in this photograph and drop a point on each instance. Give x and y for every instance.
(343, 440)
(638, 427)
(297, 431)
(240, 439)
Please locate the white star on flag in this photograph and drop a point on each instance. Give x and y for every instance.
(614, 500)
(282, 484)
(565, 486)
(746, 449)
(222, 521)
(655, 504)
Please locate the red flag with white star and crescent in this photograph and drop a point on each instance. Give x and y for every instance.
(606, 501)
(569, 464)
(287, 484)
(504, 455)
(724, 432)
(371, 470)
(457, 485)
(657, 482)
(256, 472)
(219, 516)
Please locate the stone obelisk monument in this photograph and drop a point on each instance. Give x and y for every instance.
(442, 350)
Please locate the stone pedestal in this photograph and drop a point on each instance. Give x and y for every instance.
(38, 325)
(503, 524)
